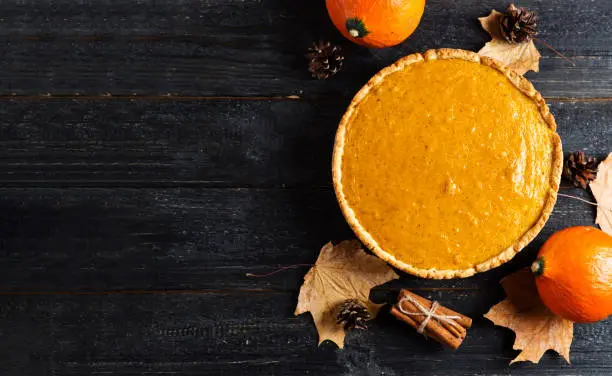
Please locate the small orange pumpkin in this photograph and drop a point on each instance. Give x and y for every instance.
(376, 23)
(574, 274)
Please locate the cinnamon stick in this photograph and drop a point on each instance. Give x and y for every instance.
(442, 336)
(444, 332)
(464, 321)
(456, 330)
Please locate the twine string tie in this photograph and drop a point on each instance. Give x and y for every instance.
(428, 313)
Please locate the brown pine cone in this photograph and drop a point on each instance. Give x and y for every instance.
(580, 169)
(518, 25)
(325, 60)
(353, 314)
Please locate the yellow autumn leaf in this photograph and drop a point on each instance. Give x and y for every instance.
(537, 328)
(602, 190)
(343, 271)
(521, 57)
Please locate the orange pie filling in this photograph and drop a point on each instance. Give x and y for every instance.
(446, 164)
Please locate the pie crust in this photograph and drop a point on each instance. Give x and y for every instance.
(519, 82)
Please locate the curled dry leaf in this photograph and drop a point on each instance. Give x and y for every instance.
(602, 190)
(537, 328)
(343, 271)
(522, 57)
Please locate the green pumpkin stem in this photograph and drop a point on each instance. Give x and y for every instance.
(356, 28)
(538, 266)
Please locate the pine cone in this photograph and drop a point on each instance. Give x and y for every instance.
(353, 314)
(325, 60)
(518, 25)
(580, 169)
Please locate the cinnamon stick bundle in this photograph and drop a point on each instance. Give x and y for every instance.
(448, 331)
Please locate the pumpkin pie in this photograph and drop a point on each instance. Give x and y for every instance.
(447, 163)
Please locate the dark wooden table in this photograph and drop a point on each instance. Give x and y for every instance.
(152, 152)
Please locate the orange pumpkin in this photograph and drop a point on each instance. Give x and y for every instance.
(574, 274)
(376, 23)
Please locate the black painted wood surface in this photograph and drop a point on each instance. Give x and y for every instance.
(152, 152)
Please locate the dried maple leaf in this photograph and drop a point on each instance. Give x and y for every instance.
(342, 271)
(537, 328)
(602, 190)
(522, 57)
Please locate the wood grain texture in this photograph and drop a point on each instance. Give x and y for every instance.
(252, 334)
(257, 19)
(209, 143)
(156, 239)
(216, 143)
(221, 47)
(128, 219)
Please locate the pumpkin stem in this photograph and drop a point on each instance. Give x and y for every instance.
(538, 266)
(356, 28)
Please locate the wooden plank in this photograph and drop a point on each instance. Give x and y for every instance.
(210, 143)
(138, 17)
(586, 33)
(250, 333)
(184, 67)
(216, 143)
(238, 48)
(193, 239)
